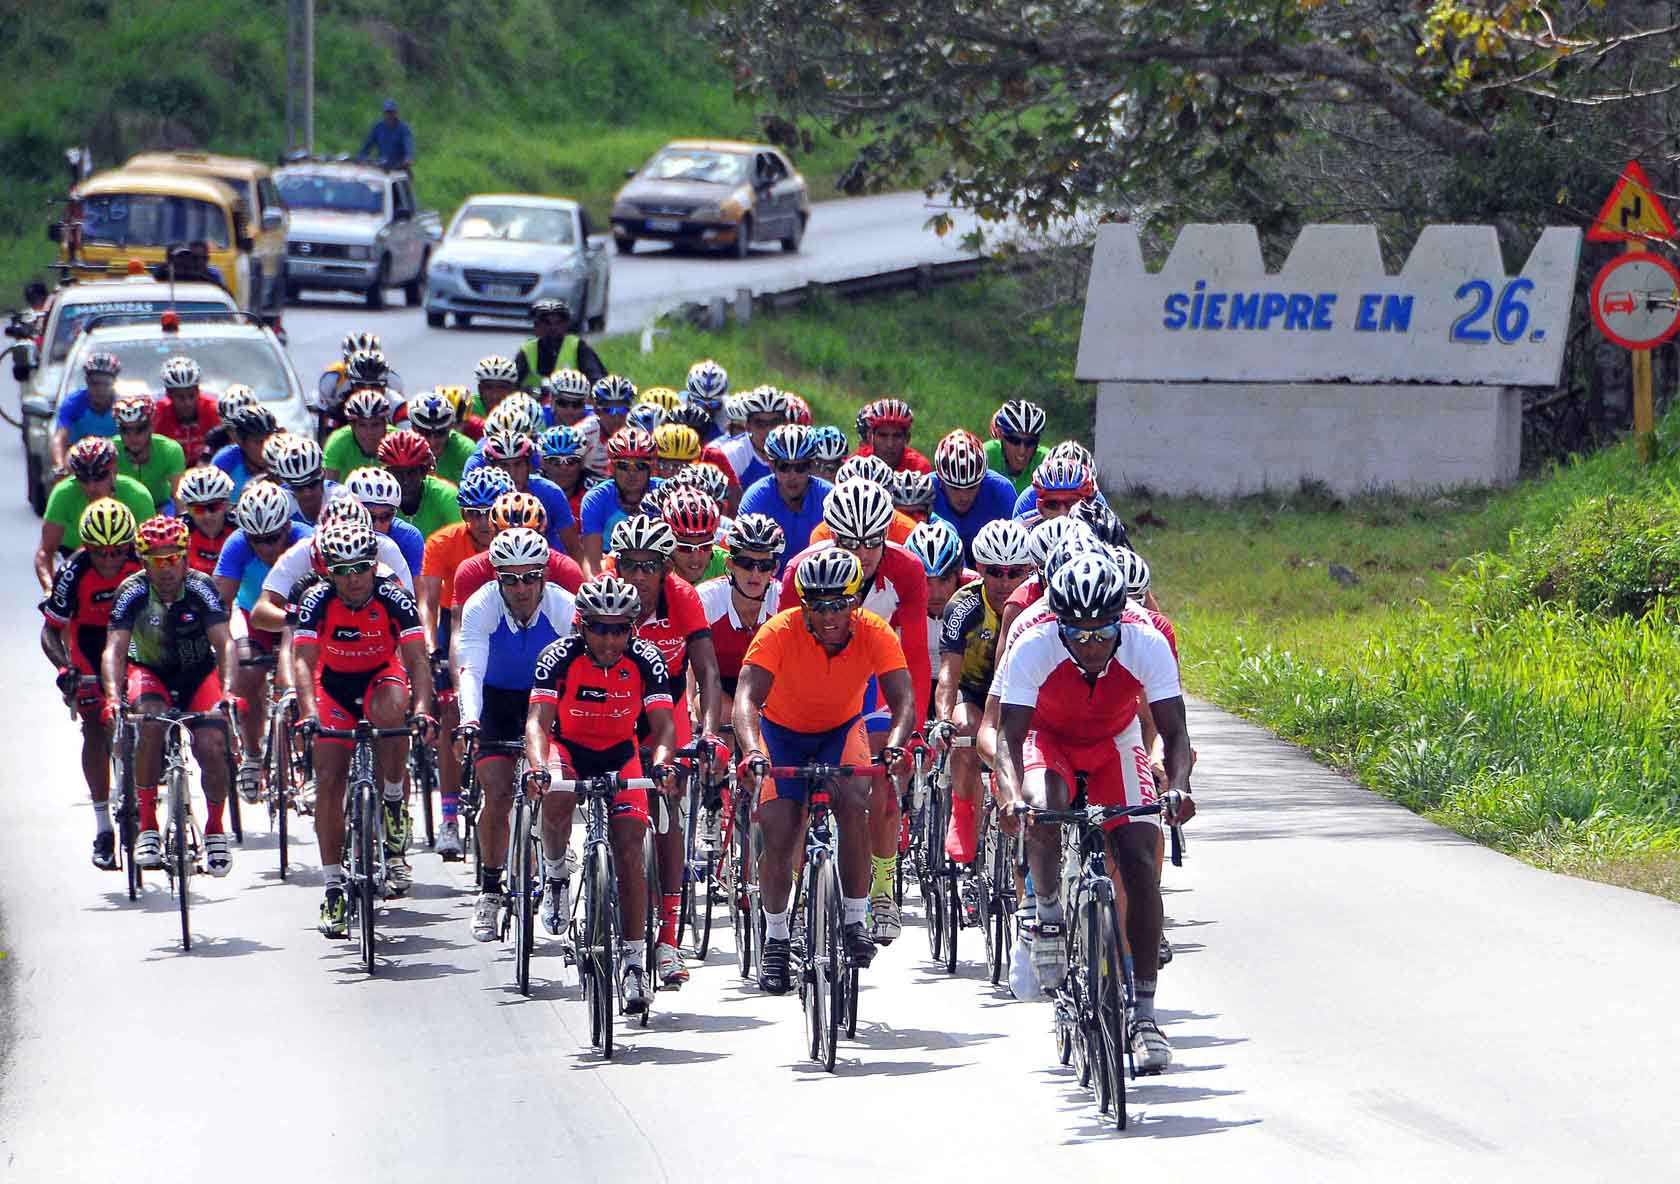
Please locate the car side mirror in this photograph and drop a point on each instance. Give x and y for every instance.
(402, 214)
(273, 218)
(596, 242)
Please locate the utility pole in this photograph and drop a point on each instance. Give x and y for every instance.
(300, 75)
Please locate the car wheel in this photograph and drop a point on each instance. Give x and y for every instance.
(624, 245)
(376, 294)
(434, 320)
(743, 237)
(463, 321)
(790, 244)
(35, 486)
(412, 294)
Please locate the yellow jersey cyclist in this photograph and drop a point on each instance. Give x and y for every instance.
(967, 654)
(799, 700)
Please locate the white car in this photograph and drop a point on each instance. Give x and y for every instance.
(503, 252)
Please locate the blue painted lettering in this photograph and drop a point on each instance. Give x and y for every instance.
(1215, 305)
(1396, 314)
(1245, 306)
(1272, 305)
(1322, 308)
(1174, 308)
(1300, 310)
(1366, 321)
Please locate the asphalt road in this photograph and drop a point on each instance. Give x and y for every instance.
(1357, 995)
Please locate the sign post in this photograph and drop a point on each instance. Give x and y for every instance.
(1633, 216)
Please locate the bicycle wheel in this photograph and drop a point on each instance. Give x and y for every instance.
(280, 781)
(838, 965)
(743, 911)
(702, 920)
(650, 926)
(128, 827)
(183, 845)
(235, 819)
(522, 878)
(467, 809)
(1111, 1012)
(423, 778)
(606, 993)
(366, 828)
(588, 937)
(953, 915)
(816, 969)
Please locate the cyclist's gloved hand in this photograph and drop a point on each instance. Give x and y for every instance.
(537, 780)
(940, 732)
(715, 752)
(892, 758)
(752, 768)
(308, 727)
(109, 711)
(665, 776)
(233, 704)
(67, 680)
(426, 727)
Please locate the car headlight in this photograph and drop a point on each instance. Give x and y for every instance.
(715, 210)
(440, 267)
(565, 270)
(358, 253)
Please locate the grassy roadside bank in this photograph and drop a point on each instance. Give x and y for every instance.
(1503, 662)
(553, 96)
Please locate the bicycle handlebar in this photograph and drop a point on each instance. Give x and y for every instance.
(1097, 815)
(364, 729)
(824, 772)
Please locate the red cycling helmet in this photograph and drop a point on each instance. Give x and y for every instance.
(92, 458)
(688, 511)
(632, 443)
(405, 449)
(885, 413)
(160, 533)
(798, 411)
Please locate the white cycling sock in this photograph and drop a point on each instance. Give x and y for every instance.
(102, 816)
(854, 909)
(335, 874)
(776, 925)
(554, 869)
(1049, 907)
(393, 791)
(635, 953)
(1145, 1009)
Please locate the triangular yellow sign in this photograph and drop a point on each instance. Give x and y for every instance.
(1632, 212)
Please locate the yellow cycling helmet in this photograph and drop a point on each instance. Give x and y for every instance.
(667, 399)
(458, 396)
(677, 442)
(107, 523)
(828, 573)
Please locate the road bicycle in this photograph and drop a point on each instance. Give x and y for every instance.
(1095, 1002)
(522, 885)
(737, 874)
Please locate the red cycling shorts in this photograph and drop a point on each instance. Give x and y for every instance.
(341, 698)
(570, 762)
(1117, 773)
(182, 694)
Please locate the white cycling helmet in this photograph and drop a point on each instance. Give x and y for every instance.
(764, 400)
(1136, 570)
(373, 486)
(643, 533)
(180, 372)
(263, 508)
(1090, 587)
(202, 484)
(1047, 534)
(367, 403)
(858, 509)
(518, 546)
(707, 382)
(868, 468)
(296, 462)
(960, 460)
(614, 390)
(360, 340)
(429, 411)
(343, 506)
(826, 573)
(608, 596)
(735, 409)
(1019, 418)
(574, 384)
(496, 368)
(755, 532)
(1002, 543)
(912, 490)
(937, 545)
(518, 412)
(236, 396)
(346, 542)
(1074, 450)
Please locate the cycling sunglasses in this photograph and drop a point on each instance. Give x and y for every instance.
(317, 479)
(360, 567)
(1057, 503)
(178, 559)
(1020, 441)
(1106, 632)
(640, 566)
(835, 604)
(868, 544)
(265, 540)
(382, 517)
(631, 466)
(791, 466)
(691, 548)
(764, 566)
(476, 512)
(605, 630)
(511, 579)
(207, 507)
(562, 460)
(569, 401)
(613, 408)
(1008, 572)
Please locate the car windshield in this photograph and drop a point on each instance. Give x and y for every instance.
(697, 164)
(72, 316)
(152, 220)
(514, 224)
(250, 358)
(318, 191)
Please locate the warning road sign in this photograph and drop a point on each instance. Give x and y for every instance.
(1636, 300)
(1632, 213)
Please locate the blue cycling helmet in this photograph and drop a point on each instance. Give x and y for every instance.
(560, 442)
(646, 416)
(481, 487)
(936, 545)
(828, 443)
(789, 442)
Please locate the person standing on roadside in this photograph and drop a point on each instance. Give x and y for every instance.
(391, 138)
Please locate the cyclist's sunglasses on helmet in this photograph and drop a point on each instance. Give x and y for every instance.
(829, 604)
(1086, 636)
(1006, 571)
(511, 579)
(852, 544)
(359, 567)
(606, 629)
(764, 566)
(640, 566)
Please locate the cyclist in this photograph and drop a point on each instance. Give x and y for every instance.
(505, 627)
(800, 700)
(610, 400)
(1069, 691)
(764, 408)
(707, 384)
(936, 544)
(561, 451)
(693, 518)
(895, 589)
(206, 495)
(708, 479)
(93, 475)
(234, 398)
(870, 468)
(966, 493)
(77, 612)
(696, 418)
(790, 495)
(673, 622)
(356, 444)
(153, 460)
(265, 528)
(295, 462)
(884, 430)
(566, 393)
(445, 552)
(1104, 523)
(359, 654)
(912, 494)
(743, 598)
(378, 490)
(242, 460)
(511, 452)
(185, 414)
(166, 638)
(86, 411)
(553, 347)
(1065, 479)
(590, 695)
(508, 511)
(428, 502)
(968, 652)
(733, 417)
(433, 416)
(336, 383)
(496, 378)
(829, 448)
(1043, 542)
(1014, 452)
(632, 453)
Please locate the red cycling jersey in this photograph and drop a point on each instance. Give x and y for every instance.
(598, 708)
(356, 640)
(190, 436)
(730, 635)
(1078, 710)
(80, 606)
(898, 595)
(912, 460)
(202, 550)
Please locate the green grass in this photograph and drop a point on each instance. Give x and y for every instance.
(1495, 706)
(556, 96)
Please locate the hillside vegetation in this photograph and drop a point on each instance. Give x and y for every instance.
(555, 96)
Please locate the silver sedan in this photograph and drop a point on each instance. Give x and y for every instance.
(504, 252)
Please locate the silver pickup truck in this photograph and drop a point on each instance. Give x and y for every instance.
(355, 227)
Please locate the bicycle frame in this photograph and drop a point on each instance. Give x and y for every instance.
(364, 826)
